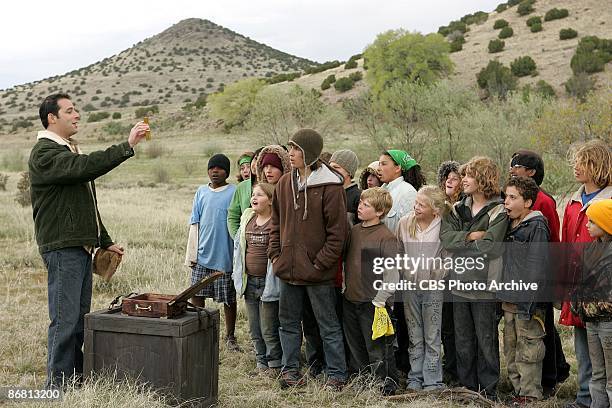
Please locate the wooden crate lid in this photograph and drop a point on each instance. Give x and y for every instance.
(191, 291)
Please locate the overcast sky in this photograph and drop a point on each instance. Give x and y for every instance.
(46, 38)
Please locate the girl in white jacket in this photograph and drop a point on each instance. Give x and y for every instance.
(419, 232)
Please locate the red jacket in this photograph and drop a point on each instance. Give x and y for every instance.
(574, 230)
(548, 207)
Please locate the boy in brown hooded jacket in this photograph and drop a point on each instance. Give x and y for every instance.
(307, 232)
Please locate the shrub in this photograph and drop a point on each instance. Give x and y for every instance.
(146, 110)
(456, 46)
(21, 124)
(555, 14)
(283, 77)
(567, 34)
(497, 79)
(350, 64)
(343, 84)
(322, 67)
(523, 66)
(579, 86)
(545, 89)
(501, 7)
(89, 108)
(506, 32)
(536, 27)
(3, 180)
(478, 17)
(116, 128)
(97, 116)
(592, 54)
(160, 174)
(14, 160)
(356, 76)
(116, 115)
(23, 196)
(534, 20)
(326, 84)
(452, 27)
(501, 23)
(512, 3)
(526, 7)
(155, 150)
(496, 46)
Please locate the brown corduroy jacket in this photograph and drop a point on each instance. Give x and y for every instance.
(308, 229)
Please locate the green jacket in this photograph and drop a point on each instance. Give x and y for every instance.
(240, 202)
(456, 225)
(63, 193)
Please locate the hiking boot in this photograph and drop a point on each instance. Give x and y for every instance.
(232, 344)
(290, 379)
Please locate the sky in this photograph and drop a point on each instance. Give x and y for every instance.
(46, 38)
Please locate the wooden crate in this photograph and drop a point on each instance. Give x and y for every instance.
(179, 357)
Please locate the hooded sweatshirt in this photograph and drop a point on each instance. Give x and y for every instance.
(308, 227)
(242, 196)
(525, 258)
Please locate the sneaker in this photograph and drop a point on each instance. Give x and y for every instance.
(335, 384)
(232, 344)
(290, 379)
(273, 372)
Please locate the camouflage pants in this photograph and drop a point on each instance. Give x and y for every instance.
(524, 350)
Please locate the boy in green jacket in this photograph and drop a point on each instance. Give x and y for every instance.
(68, 226)
(475, 229)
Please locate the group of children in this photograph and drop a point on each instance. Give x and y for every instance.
(295, 235)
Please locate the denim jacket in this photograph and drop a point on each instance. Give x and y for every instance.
(271, 291)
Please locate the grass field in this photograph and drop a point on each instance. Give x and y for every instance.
(150, 219)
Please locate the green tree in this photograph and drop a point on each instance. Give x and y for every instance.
(236, 102)
(278, 112)
(398, 55)
(497, 79)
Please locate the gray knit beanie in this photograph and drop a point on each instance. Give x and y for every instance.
(347, 159)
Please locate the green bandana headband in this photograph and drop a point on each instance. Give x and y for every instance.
(243, 160)
(402, 159)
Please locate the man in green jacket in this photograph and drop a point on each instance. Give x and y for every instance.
(68, 226)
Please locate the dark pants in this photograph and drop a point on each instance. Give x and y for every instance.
(315, 357)
(477, 344)
(448, 342)
(375, 356)
(69, 291)
(555, 368)
(291, 312)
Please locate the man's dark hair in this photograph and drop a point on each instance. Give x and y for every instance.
(49, 105)
(526, 186)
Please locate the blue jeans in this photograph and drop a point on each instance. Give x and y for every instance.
(423, 311)
(291, 310)
(263, 324)
(581, 345)
(69, 290)
(599, 335)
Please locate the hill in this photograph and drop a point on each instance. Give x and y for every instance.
(552, 55)
(189, 59)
